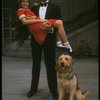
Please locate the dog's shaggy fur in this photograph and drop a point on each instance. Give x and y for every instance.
(68, 88)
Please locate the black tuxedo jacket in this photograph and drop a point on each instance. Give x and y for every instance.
(53, 11)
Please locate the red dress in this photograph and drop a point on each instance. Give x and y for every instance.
(38, 33)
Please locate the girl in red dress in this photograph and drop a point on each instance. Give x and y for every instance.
(37, 26)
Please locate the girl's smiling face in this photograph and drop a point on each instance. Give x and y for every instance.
(25, 4)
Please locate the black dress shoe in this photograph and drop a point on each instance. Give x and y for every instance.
(31, 93)
(62, 49)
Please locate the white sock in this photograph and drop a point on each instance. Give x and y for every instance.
(59, 44)
(67, 45)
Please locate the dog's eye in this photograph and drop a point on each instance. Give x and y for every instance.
(66, 58)
(60, 59)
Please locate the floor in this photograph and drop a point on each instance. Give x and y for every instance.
(16, 78)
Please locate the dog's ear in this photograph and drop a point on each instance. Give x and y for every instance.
(56, 60)
(71, 60)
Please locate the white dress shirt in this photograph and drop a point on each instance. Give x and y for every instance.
(42, 11)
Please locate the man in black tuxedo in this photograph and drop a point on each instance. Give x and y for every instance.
(46, 11)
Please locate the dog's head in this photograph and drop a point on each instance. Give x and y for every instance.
(64, 62)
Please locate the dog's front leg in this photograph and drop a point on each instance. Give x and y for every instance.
(61, 93)
(71, 97)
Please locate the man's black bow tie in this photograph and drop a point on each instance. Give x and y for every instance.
(43, 4)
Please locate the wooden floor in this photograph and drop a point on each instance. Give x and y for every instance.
(16, 78)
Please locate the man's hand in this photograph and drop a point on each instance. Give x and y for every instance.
(46, 26)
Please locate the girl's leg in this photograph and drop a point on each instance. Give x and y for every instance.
(61, 31)
(62, 34)
(59, 41)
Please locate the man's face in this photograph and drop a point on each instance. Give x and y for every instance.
(43, 0)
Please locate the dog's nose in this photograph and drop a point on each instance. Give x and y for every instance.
(62, 64)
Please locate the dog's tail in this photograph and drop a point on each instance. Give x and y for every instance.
(79, 95)
(85, 93)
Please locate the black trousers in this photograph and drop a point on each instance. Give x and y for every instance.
(48, 49)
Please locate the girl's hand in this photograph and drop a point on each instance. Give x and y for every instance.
(30, 17)
(46, 26)
(44, 20)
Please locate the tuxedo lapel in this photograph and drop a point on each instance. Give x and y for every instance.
(48, 11)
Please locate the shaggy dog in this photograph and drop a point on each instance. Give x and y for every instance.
(68, 88)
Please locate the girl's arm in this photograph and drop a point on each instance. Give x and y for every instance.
(31, 21)
(30, 17)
